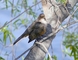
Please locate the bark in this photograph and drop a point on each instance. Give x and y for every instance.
(55, 15)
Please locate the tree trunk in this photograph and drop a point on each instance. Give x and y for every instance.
(55, 15)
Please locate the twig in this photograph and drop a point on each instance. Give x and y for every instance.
(25, 52)
(52, 50)
(12, 10)
(45, 49)
(3, 25)
(74, 11)
(72, 15)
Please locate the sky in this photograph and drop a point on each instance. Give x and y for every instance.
(23, 44)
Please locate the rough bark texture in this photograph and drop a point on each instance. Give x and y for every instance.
(55, 15)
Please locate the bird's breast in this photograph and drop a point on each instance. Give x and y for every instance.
(43, 21)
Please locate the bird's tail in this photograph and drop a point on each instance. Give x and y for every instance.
(19, 38)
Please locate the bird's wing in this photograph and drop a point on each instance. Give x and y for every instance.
(26, 33)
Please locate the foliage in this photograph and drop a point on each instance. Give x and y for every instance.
(6, 34)
(1, 58)
(62, 1)
(53, 57)
(71, 43)
(17, 8)
(21, 21)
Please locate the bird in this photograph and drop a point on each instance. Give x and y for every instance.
(35, 30)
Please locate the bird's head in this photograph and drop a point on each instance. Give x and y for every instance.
(42, 19)
(41, 16)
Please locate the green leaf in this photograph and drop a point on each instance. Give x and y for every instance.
(48, 58)
(71, 42)
(1, 58)
(26, 4)
(12, 9)
(15, 24)
(54, 57)
(11, 36)
(6, 33)
(6, 3)
(23, 21)
(45, 59)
